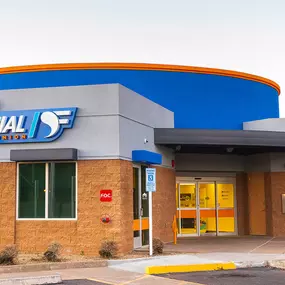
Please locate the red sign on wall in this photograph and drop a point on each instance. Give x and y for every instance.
(106, 195)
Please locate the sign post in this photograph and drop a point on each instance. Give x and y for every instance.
(150, 187)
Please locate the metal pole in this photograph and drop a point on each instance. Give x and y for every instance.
(150, 223)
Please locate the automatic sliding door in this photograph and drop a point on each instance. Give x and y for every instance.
(207, 209)
(188, 209)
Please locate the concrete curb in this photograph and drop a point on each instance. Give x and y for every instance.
(123, 261)
(52, 266)
(52, 279)
(251, 264)
(164, 269)
(279, 264)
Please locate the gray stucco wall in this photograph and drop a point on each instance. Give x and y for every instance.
(267, 162)
(138, 117)
(257, 163)
(209, 162)
(273, 124)
(277, 162)
(111, 120)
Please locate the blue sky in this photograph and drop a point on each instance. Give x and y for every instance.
(243, 35)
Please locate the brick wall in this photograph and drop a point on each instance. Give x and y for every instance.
(275, 186)
(7, 203)
(87, 233)
(164, 204)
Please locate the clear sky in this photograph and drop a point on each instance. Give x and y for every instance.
(242, 35)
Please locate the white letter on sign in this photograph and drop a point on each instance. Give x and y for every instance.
(11, 125)
(20, 124)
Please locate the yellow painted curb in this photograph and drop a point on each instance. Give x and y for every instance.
(189, 268)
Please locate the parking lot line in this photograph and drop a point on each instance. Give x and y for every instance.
(101, 281)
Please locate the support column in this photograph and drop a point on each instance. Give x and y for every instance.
(242, 204)
(164, 204)
(256, 203)
(274, 188)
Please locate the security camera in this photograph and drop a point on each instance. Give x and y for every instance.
(145, 141)
(178, 148)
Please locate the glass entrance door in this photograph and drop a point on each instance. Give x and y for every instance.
(140, 207)
(187, 209)
(205, 208)
(136, 207)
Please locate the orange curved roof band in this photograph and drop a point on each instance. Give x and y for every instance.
(140, 66)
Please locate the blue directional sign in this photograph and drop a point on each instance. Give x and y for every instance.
(150, 180)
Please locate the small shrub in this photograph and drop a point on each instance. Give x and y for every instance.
(9, 255)
(157, 246)
(108, 249)
(53, 252)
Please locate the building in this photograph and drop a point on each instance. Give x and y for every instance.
(76, 139)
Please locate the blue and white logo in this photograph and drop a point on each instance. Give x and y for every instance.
(44, 125)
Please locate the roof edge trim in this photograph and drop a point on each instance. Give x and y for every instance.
(140, 66)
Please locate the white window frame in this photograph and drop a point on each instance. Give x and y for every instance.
(46, 193)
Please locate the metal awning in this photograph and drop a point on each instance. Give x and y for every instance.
(50, 154)
(220, 141)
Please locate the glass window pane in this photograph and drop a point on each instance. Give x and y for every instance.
(62, 183)
(144, 193)
(32, 190)
(226, 212)
(177, 195)
(136, 209)
(188, 208)
(145, 237)
(207, 199)
(187, 196)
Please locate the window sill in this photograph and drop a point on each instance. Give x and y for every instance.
(43, 219)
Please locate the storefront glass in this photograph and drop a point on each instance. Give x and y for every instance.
(47, 191)
(140, 207)
(32, 190)
(226, 214)
(207, 205)
(205, 208)
(61, 190)
(188, 209)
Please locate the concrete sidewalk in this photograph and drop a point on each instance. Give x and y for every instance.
(241, 244)
(133, 271)
(241, 260)
(195, 253)
(103, 275)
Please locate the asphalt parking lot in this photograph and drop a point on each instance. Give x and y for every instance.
(253, 276)
(82, 282)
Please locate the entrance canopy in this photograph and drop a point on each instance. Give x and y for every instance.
(220, 141)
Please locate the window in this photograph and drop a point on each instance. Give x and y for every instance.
(47, 190)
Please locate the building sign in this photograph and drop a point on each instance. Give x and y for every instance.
(150, 180)
(106, 195)
(28, 126)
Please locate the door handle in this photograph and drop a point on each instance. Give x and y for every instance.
(141, 212)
